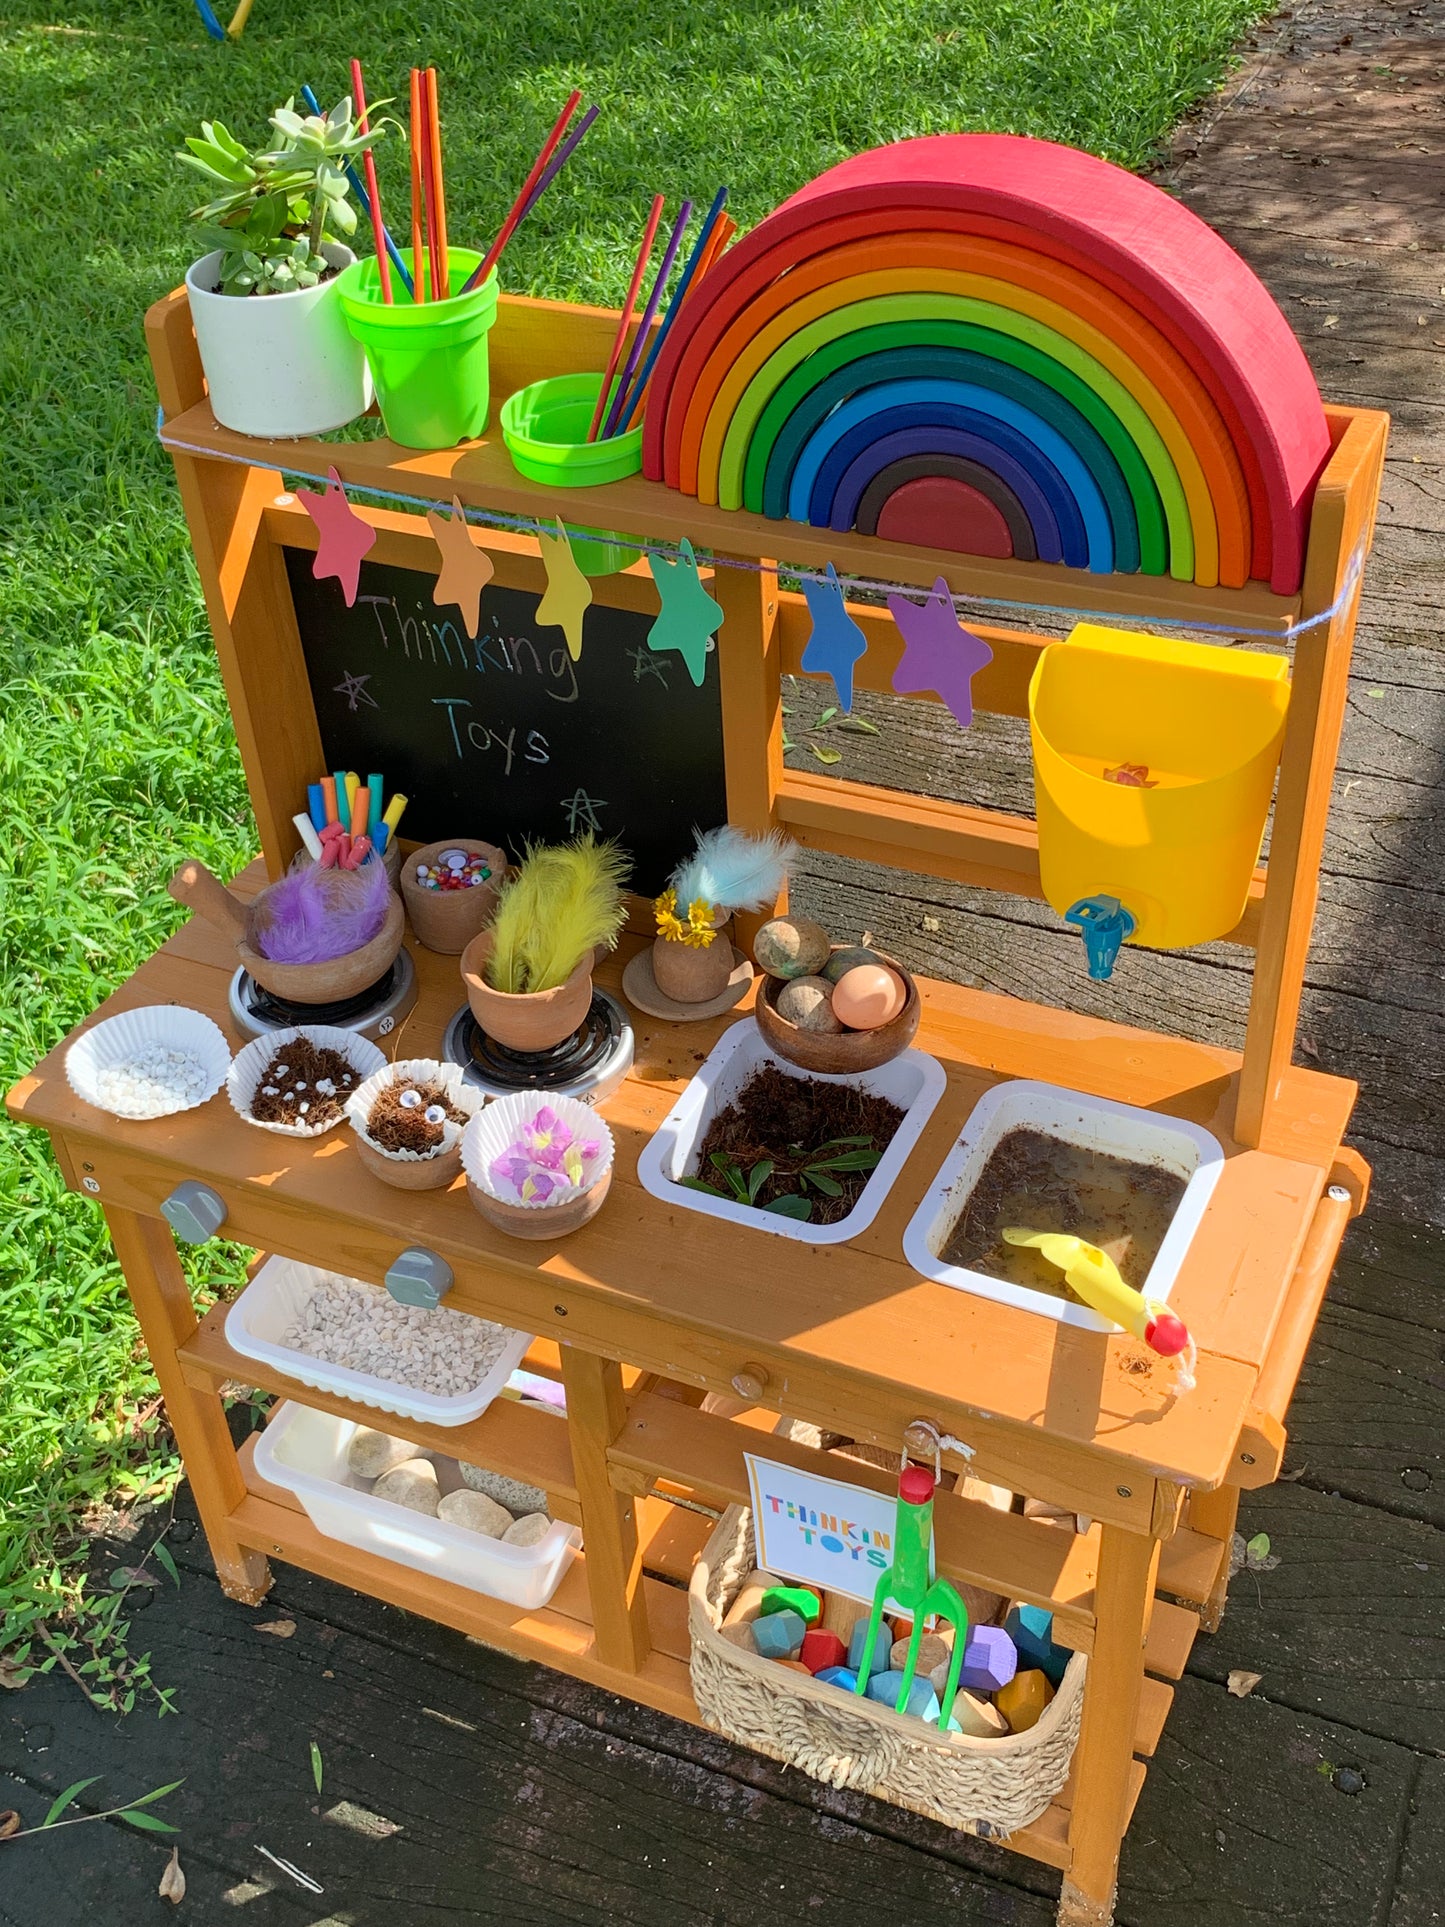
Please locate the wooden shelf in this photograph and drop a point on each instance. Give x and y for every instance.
(1170, 1639)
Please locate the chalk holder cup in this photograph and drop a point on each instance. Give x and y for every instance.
(429, 364)
(544, 427)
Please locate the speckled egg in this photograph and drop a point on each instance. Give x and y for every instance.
(791, 947)
(808, 1003)
(867, 997)
(846, 957)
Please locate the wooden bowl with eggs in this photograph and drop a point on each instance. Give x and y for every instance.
(838, 1053)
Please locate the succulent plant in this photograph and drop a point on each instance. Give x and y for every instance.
(275, 207)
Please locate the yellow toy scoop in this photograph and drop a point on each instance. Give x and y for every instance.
(1095, 1277)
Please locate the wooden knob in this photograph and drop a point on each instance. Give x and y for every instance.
(750, 1383)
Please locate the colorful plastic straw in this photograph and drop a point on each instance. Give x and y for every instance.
(689, 274)
(519, 206)
(418, 253)
(558, 161)
(383, 264)
(644, 255)
(649, 315)
(443, 277)
(313, 106)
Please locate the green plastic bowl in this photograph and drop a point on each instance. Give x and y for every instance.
(545, 427)
(429, 363)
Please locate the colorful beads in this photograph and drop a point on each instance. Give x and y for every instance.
(453, 870)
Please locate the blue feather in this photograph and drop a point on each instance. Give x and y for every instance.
(734, 871)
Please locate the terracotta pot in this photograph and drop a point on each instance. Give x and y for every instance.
(447, 920)
(837, 1053)
(543, 1220)
(534, 1020)
(411, 1174)
(693, 976)
(314, 983)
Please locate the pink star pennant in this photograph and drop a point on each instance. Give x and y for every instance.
(938, 652)
(345, 537)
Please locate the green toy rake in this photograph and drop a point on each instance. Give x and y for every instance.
(907, 1583)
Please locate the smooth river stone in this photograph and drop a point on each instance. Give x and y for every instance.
(413, 1485)
(791, 947)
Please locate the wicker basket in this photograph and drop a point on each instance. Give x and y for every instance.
(985, 1787)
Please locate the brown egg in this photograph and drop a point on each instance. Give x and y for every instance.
(868, 996)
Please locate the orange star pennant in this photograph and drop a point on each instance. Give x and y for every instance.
(466, 569)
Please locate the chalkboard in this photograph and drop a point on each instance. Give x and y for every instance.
(503, 736)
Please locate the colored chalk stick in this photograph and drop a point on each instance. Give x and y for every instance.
(779, 1635)
(748, 1599)
(793, 1599)
(989, 1659)
(974, 1715)
(822, 1650)
(1031, 1628)
(839, 1676)
(1023, 1700)
(881, 1647)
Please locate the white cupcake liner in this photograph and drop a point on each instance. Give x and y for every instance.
(121, 1039)
(249, 1065)
(414, 1070)
(493, 1130)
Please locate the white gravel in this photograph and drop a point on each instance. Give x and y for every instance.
(154, 1082)
(360, 1327)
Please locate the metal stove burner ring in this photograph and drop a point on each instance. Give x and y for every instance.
(277, 1013)
(588, 1046)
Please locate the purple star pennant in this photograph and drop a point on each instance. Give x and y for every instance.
(837, 643)
(938, 652)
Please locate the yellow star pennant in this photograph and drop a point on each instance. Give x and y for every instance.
(569, 593)
(466, 569)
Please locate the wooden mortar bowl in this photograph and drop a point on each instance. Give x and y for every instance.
(837, 1053)
(447, 920)
(534, 1019)
(329, 983)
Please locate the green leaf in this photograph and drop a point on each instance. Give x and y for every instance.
(758, 1177)
(146, 1822)
(846, 1161)
(65, 1799)
(697, 1184)
(316, 1765)
(859, 726)
(791, 1207)
(826, 755)
(157, 1793)
(165, 1561)
(820, 1181)
(837, 1143)
(787, 745)
(827, 716)
(1258, 1546)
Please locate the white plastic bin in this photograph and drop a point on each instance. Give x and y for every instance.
(305, 1451)
(914, 1082)
(269, 1305)
(1097, 1123)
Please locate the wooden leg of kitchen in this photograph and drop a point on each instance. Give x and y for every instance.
(596, 1414)
(1215, 1513)
(147, 1254)
(1103, 1763)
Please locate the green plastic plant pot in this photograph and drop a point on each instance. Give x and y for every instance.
(429, 362)
(545, 430)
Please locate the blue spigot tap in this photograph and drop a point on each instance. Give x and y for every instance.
(1104, 924)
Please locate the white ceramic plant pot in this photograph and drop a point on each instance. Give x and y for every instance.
(279, 364)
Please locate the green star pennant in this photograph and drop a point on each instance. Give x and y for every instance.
(688, 615)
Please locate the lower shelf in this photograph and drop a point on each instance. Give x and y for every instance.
(560, 1635)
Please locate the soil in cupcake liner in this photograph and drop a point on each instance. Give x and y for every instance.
(1042, 1183)
(796, 1146)
(395, 1126)
(305, 1084)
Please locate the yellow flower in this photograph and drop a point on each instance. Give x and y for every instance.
(697, 933)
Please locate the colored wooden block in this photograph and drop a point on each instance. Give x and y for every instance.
(1023, 1700)
(740, 1634)
(841, 1614)
(822, 1650)
(794, 1666)
(971, 1714)
(779, 1635)
(989, 1659)
(881, 1646)
(1031, 1629)
(748, 1599)
(801, 1600)
(932, 1649)
(839, 1676)
(885, 1688)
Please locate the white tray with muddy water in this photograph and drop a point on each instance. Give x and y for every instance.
(1133, 1182)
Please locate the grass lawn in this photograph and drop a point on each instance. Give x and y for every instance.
(116, 752)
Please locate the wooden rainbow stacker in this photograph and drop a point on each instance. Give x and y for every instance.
(650, 1300)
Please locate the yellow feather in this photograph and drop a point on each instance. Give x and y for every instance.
(564, 901)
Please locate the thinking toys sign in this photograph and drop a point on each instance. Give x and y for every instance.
(820, 1531)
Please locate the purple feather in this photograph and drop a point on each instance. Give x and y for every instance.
(314, 915)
